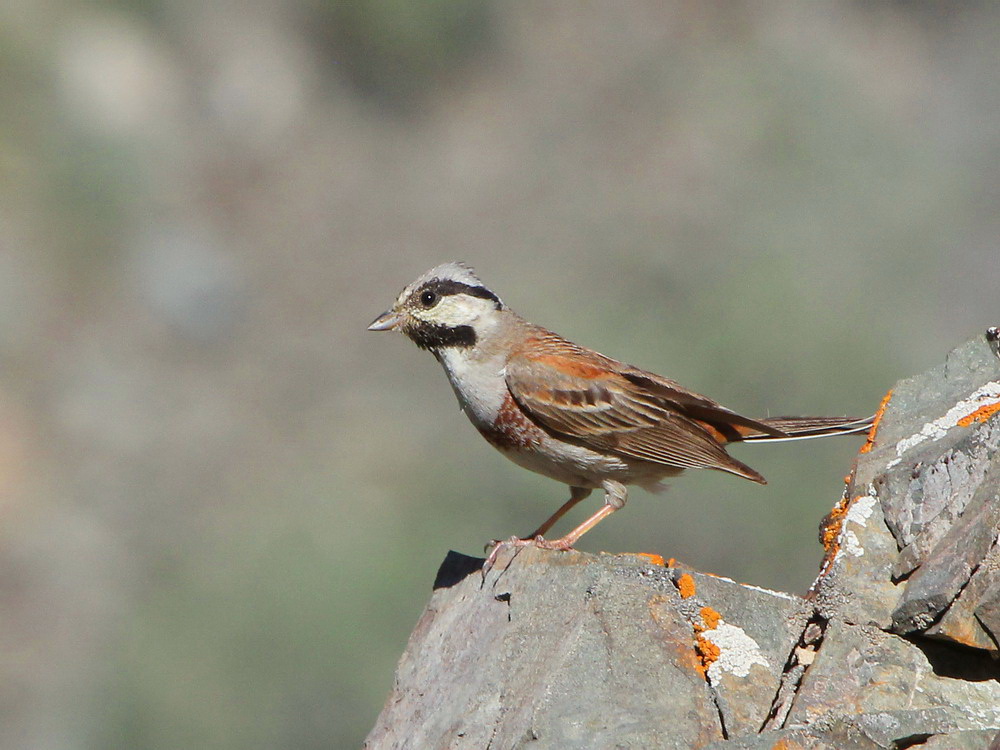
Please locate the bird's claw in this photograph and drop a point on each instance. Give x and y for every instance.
(516, 541)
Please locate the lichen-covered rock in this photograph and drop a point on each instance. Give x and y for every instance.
(827, 738)
(894, 646)
(559, 650)
(745, 636)
(922, 512)
(855, 582)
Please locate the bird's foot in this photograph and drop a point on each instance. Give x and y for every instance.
(563, 545)
(495, 545)
(516, 541)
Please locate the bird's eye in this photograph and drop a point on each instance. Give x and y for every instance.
(428, 299)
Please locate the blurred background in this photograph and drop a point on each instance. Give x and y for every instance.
(224, 502)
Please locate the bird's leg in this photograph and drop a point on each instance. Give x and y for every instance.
(615, 495)
(576, 495)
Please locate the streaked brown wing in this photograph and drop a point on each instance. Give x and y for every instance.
(695, 405)
(585, 401)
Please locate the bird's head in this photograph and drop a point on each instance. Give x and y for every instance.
(446, 307)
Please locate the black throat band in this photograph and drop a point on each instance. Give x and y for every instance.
(437, 336)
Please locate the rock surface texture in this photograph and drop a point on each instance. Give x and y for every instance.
(894, 646)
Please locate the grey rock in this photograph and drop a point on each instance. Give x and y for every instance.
(887, 688)
(841, 736)
(982, 739)
(967, 620)
(988, 609)
(569, 650)
(855, 583)
(757, 632)
(828, 738)
(562, 650)
(949, 567)
(789, 686)
(927, 500)
(914, 532)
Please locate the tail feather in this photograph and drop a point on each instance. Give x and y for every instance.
(801, 428)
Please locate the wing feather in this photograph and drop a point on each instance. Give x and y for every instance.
(634, 414)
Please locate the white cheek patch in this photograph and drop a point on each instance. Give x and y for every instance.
(454, 310)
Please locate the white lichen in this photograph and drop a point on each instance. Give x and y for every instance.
(859, 513)
(738, 652)
(986, 395)
(851, 544)
(779, 594)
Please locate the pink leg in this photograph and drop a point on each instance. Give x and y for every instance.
(615, 494)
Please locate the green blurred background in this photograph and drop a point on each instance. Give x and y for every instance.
(224, 502)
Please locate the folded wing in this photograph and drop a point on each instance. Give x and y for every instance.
(599, 403)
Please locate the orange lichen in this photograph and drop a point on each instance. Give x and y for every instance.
(671, 562)
(829, 536)
(832, 524)
(784, 744)
(707, 651)
(870, 442)
(979, 415)
(663, 611)
(653, 558)
(685, 585)
(710, 617)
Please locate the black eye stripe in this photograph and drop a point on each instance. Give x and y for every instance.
(446, 287)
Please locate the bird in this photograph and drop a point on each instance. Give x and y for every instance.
(993, 339)
(568, 412)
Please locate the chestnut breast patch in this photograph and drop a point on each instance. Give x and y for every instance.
(511, 430)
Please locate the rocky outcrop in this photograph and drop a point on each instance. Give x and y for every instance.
(895, 644)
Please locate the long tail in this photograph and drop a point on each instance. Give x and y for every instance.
(802, 428)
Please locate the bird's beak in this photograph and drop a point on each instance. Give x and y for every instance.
(387, 321)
